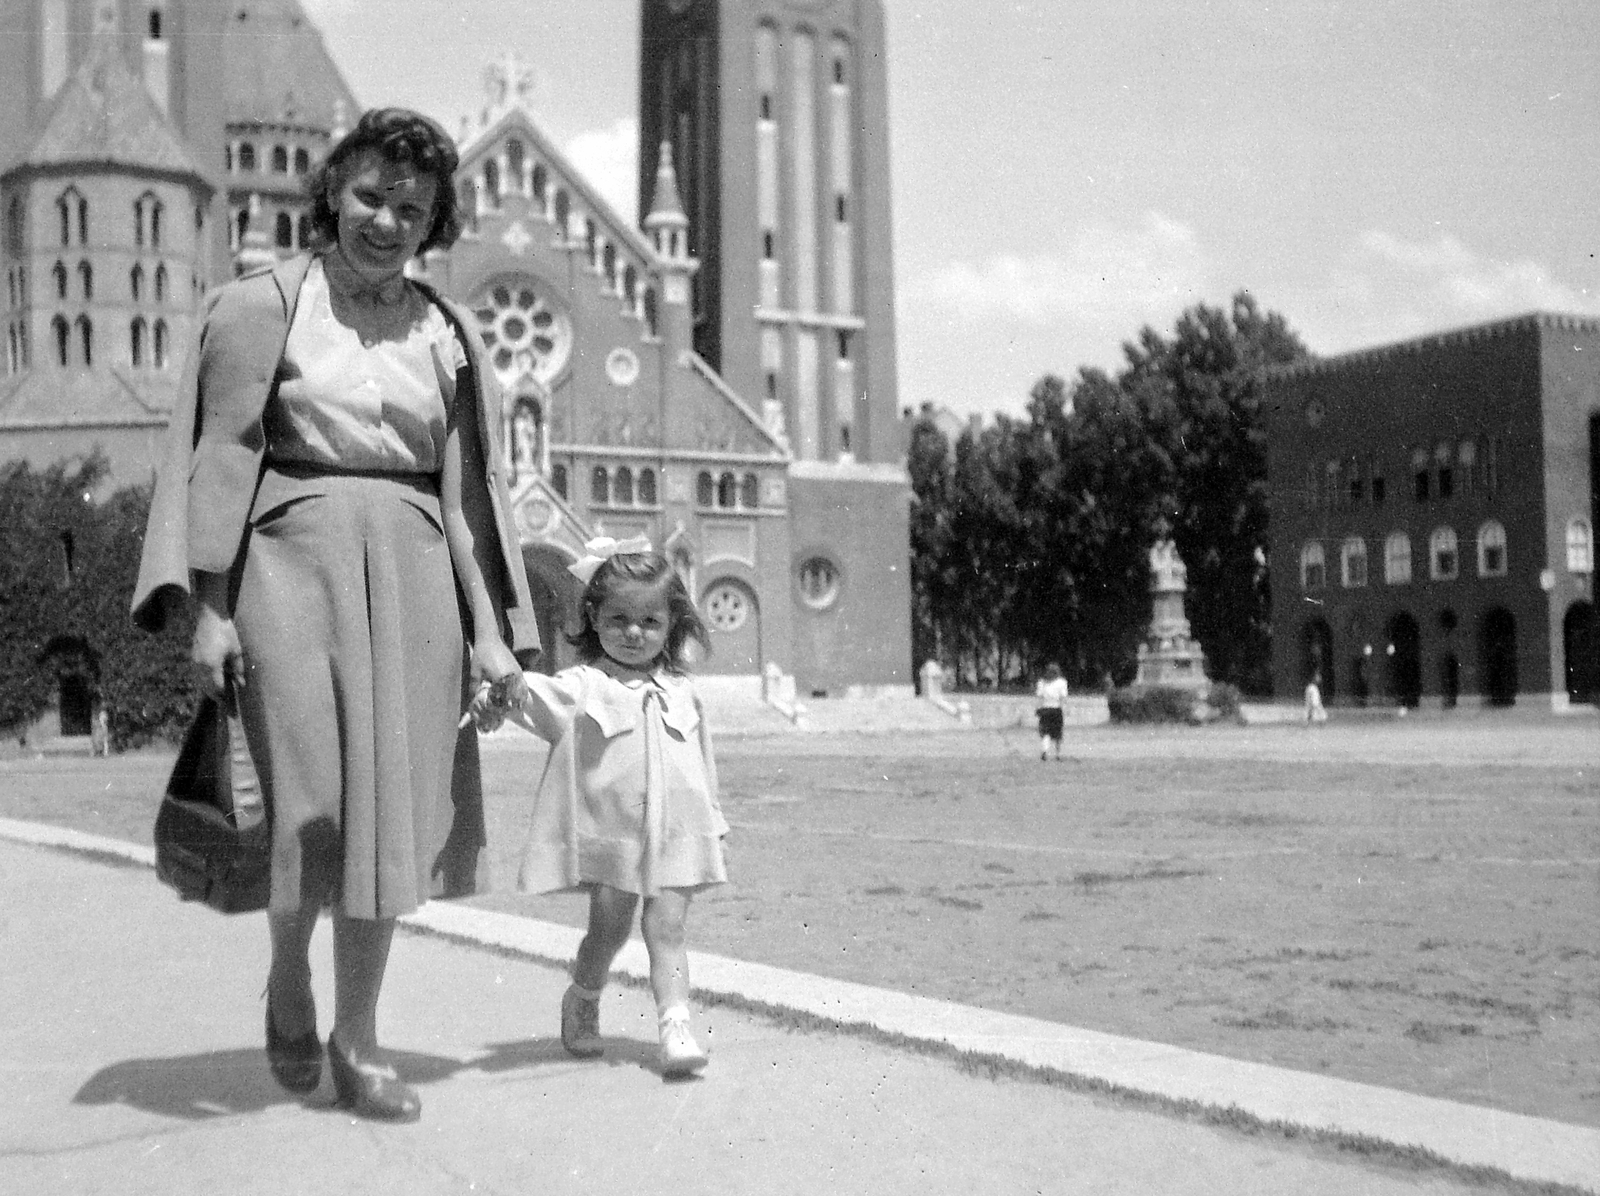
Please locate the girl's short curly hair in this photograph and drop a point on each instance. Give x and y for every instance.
(401, 136)
(646, 568)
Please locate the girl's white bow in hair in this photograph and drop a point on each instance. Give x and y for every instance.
(601, 549)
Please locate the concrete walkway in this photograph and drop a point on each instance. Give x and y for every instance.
(131, 1062)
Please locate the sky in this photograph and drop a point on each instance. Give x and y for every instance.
(1067, 172)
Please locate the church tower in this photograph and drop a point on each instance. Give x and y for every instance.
(776, 111)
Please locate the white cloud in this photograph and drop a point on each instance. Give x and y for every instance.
(609, 160)
(1388, 288)
(1105, 274)
(1459, 283)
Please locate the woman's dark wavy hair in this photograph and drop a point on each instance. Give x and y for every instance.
(649, 568)
(401, 136)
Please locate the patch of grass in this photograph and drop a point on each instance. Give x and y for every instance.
(1242, 819)
(1001, 868)
(959, 903)
(1432, 944)
(1040, 915)
(1436, 1032)
(1090, 880)
(885, 891)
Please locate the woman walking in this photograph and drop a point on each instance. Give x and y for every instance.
(333, 486)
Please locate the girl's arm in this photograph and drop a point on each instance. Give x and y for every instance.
(470, 532)
(548, 705)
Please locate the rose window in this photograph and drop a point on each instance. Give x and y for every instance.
(727, 607)
(525, 332)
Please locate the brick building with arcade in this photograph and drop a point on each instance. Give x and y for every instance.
(1433, 506)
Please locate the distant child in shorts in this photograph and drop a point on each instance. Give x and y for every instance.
(627, 806)
(1050, 696)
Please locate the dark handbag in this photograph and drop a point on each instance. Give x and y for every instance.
(212, 840)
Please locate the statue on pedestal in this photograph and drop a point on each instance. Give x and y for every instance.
(1169, 655)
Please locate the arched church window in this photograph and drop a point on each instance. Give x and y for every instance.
(156, 210)
(541, 181)
(241, 224)
(160, 344)
(59, 273)
(608, 265)
(652, 314)
(83, 221)
(563, 213)
(622, 487)
(705, 489)
(727, 491)
(136, 341)
(303, 231)
(591, 241)
(86, 339)
(227, 157)
(491, 182)
(600, 485)
(647, 487)
(1313, 566)
(86, 280)
(1397, 559)
(283, 230)
(749, 492)
(247, 156)
(302, 161)
(630, 286)
(280, 159)
(14, 227)
(161, 284)
(515, 159)
(59, 327)
(558, 479)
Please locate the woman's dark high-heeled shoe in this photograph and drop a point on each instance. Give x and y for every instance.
(371, 1090)
(296, 1062)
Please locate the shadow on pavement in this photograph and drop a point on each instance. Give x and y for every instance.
(224, 1083)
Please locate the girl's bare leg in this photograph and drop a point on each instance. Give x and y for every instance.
(663, 924)
(610, 920)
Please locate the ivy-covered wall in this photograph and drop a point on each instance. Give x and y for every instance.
(68, 564)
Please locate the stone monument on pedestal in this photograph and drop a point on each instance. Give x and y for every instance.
(1170, 656)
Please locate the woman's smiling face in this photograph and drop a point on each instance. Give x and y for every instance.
(385, 214)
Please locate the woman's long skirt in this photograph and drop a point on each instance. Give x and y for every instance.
(351, 633)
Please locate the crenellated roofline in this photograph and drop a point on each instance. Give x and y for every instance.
(1453, 338)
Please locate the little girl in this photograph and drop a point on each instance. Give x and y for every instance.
(627, 806)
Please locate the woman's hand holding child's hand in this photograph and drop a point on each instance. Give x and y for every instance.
(493, 700)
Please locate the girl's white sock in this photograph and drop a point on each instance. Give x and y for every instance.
(675, 1012)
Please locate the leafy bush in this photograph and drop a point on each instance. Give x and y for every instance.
(1173, 704)
(68, 566)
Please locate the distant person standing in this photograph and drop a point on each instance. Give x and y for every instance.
(1050, 696)
(1315, 711)
(100, 733)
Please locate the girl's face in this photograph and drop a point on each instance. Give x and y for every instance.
(632, 623)
(385, 213)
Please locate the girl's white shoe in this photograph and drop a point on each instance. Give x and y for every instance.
(680, 1053)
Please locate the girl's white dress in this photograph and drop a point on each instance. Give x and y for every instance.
(629, 794)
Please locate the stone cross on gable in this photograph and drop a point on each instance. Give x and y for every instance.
(509, 82)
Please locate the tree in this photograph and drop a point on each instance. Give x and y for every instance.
(1199, 392)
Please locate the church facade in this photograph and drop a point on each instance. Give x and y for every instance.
(720, 379)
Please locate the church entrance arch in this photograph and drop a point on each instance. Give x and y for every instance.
(1580, 642)
(1405, 659)
(77, 670)
(1316, 655)
(733, 616)
(1498, 649)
